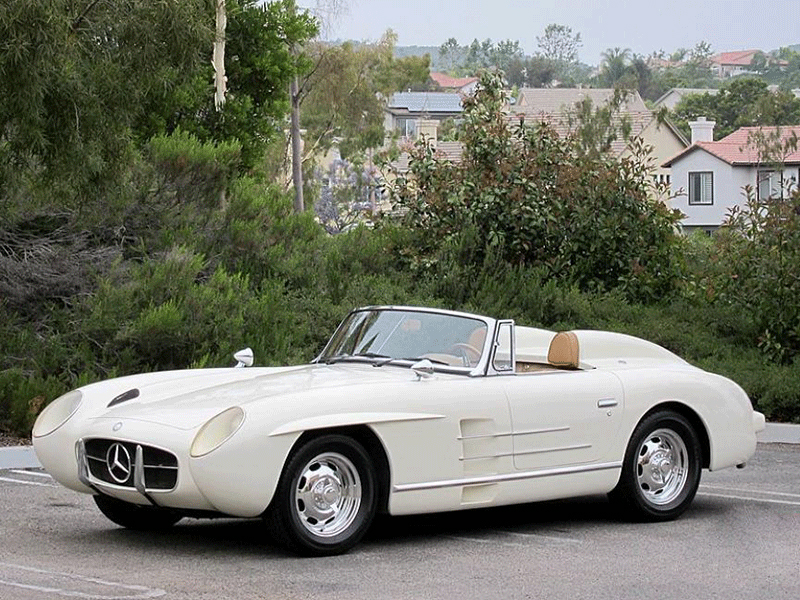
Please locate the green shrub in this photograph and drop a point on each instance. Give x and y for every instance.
(529, 197)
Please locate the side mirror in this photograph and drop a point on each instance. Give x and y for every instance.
(244, 358)
(423, 369)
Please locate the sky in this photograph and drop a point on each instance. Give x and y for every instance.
(643, 26)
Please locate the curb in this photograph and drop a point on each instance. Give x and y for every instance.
(18, 457)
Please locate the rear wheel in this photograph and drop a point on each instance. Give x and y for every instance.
(135, 516)
(326, 497)
(661, 472)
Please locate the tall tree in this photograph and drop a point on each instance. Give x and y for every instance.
(76, 77)
(559, 44)
(218, 56)
(614, 65)
(743, 102)
(346, 92)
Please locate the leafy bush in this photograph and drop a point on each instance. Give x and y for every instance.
(521, 195)
(760, 271)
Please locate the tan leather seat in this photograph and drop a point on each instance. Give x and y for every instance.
(564, 350)
(477, 337)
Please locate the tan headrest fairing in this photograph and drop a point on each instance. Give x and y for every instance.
(564, 350)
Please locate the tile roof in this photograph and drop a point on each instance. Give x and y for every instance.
(741, 58)
(557, 100)
(445, 81)
(681, 92)
(638, 121)
(735, 149)
(423, 102)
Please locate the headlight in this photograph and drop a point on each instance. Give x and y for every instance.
(216, 431)
(57, 413)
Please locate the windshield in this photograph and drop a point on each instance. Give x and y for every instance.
(400, 334)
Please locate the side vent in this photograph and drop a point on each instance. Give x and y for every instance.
(482, 446)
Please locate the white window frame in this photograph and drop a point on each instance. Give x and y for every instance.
(769, 183)
(706, 188)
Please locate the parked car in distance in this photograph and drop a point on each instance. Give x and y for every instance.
(406, 410)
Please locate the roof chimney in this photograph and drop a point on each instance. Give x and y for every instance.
(702, 130)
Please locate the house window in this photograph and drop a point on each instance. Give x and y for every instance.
(407, 128)
(770, 184)
(701, 187)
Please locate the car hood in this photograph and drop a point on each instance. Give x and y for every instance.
(187, 399)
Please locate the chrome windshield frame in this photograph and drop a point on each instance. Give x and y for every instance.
(479, 370)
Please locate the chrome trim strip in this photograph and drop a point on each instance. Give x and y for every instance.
(138, 471)
(508, 433)
(138, 475)
(544, 430)
(484, 436)
(487, 456)
(607, 402)
(433, 485)
(557, 449)
(83, 464)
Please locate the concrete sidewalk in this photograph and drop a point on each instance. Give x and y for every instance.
(22, 457)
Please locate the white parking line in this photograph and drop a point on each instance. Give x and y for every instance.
(130, 592)
(750, 498)
(553, 538)
(11, 480)
(746, 491)
(484, 541)
(34, 473)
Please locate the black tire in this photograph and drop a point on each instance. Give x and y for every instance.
(309, 512)
(135, 516)
(661, 471)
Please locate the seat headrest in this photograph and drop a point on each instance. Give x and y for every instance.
(564, 351)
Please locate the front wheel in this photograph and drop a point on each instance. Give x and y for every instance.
(326, 497)
(135, 516)
(661, 472)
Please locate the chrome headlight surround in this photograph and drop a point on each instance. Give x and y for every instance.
(217, 431)
(57, 413)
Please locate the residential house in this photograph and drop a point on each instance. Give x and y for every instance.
(413, 113)
(554, 105)
(731, 64)
(670, 98)
(709, 178)
(463, 85)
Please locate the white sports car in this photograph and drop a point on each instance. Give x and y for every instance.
(406, 410)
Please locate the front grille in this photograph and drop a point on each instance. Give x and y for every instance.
(112, 461)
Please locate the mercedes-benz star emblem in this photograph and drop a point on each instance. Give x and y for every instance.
(118, 460)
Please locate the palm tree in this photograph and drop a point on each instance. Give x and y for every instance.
(614, 65)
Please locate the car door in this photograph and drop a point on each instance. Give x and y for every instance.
(562, 418)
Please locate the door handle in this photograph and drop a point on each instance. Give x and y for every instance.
(606, 403)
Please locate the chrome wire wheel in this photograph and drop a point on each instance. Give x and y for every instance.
(327, 497)
(661, 466)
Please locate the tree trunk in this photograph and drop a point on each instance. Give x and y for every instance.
(218, 58)
(297, 157)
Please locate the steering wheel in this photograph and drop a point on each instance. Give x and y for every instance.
(469, 354)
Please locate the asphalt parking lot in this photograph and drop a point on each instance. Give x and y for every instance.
(741, 539)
